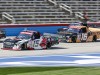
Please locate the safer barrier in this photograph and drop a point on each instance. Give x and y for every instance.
(14, 29)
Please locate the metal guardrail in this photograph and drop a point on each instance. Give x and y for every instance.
(9, 17)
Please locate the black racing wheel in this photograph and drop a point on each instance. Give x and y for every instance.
(94, 38)
(73, 39)
(24, 46)
(48, 45)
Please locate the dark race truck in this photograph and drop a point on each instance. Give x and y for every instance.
(80, 34)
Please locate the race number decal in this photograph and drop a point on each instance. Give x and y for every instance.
(84, 36)
(36, 43)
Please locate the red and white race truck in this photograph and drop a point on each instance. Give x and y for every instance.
(30, 40)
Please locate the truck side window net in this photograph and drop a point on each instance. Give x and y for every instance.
(84, 30)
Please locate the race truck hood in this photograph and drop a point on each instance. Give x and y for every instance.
(9, 43)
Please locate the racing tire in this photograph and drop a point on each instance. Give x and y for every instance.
(23, 46)
(73, 39)
(94, 38)
(48, 45)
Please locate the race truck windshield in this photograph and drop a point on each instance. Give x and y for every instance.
(73, 30)
(23, 36)
(75, 24)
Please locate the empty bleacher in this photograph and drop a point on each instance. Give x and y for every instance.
(41, 11)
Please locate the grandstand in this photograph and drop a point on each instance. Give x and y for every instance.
(41, 11)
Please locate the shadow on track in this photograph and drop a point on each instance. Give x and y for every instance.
(80, 42)
(56, 48)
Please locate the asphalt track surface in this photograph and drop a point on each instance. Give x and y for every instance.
(63, 54)
(62, 48)
(85, 59)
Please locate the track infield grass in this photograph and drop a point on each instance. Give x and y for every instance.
(50, 71)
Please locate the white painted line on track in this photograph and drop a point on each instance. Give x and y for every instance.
(69, 60)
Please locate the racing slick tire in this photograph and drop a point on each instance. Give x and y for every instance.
(73, 39)
(23, 46)
(94, 38)
(48, 45)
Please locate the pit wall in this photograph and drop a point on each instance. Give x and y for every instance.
(14, 29)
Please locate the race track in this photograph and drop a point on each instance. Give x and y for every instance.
(62, 48)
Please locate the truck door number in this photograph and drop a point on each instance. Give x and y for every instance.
(36, 43)
(84, 36)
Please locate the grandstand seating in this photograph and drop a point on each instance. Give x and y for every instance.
(40, 11)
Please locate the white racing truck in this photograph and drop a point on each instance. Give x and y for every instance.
(29, 40)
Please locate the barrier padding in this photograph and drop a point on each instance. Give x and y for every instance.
(14, 29)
